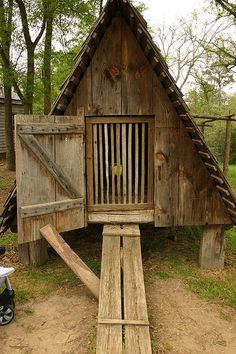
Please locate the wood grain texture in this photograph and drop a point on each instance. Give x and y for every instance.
(73, 261)
(109, 338)
(137, 338)
(106, 71)
(36, 185)
(212, 248)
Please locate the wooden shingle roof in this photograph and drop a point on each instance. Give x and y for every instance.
(139, 28)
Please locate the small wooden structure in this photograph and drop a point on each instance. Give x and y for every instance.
(17, 108)
(120, 146)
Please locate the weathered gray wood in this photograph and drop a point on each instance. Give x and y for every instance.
(137, 339)
(109, 338)
(71, 258)
(39, 129)
(121, 217)
(70, 154)
(38, 193)
(212, 248)
(56, 171)
(51, 207)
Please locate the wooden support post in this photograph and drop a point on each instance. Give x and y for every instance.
(212, 253)
(228, 135)
(33, 253)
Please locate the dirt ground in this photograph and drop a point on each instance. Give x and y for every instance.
(65, 322)
(181, 323)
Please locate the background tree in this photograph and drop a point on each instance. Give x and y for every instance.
(6, 27)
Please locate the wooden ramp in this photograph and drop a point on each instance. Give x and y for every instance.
(123, 325)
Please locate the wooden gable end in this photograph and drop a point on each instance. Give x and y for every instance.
(120, 81)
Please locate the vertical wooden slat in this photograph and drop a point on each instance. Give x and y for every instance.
(124, 162)
(106, 163)
(130, 162)
(150, 163)
(113, 191)
(101, 163)
(136, 164)
(118, 161)
(143, 164)
(95, 161)
(89, 148)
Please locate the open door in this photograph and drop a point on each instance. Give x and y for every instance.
(49, 174)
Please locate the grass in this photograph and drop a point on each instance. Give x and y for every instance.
(232, 176)
(178, 260)
(4, 183)
(35, 282)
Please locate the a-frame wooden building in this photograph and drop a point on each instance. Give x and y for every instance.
(120, 146)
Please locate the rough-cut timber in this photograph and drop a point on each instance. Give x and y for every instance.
(123, 325)
(71, 258)
(212, 248)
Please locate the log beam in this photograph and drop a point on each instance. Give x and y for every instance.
(212, 247)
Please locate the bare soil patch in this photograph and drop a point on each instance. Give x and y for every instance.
(185, 324)
(64, 323)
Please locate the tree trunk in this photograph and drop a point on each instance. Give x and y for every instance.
(227, 147)
(29, 93)
(47, 75)
(9, 131)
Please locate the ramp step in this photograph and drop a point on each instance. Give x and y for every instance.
(123, 325)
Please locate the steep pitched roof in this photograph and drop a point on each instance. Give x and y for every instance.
(139, 28)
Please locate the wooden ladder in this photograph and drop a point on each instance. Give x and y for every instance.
(123, 325)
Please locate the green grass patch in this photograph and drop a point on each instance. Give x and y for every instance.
(8, 240)
(230, 237)
(4, 183)
(232, 176)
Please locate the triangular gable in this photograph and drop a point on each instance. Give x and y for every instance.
(139, 28)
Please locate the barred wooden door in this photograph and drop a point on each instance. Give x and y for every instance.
(49, 173)
(119, 162)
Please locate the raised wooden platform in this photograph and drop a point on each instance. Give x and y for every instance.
(123, 325)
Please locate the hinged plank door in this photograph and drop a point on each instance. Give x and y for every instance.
(50, 174)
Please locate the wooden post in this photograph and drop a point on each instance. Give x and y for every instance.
(33, 253)
(228, 135)
(212, 246)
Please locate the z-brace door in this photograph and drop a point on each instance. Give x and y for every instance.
(49, 174)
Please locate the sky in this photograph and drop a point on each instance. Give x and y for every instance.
(167, 10)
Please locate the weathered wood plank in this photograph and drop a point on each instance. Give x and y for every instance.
(137, 338)
(121, 217)
(70, 153)
(71, 259)
(136, 182)
(109, 338)
(50, 207)
(130, 180)
(33, 145)
(106, 71)
(89, 163)
(101, 166)
(143, 163)
(52, 129)
(124, 162)
(30, 191)
(211, 255)
(107, 163)
(118, 163)
(95, 161)
(113, 191)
